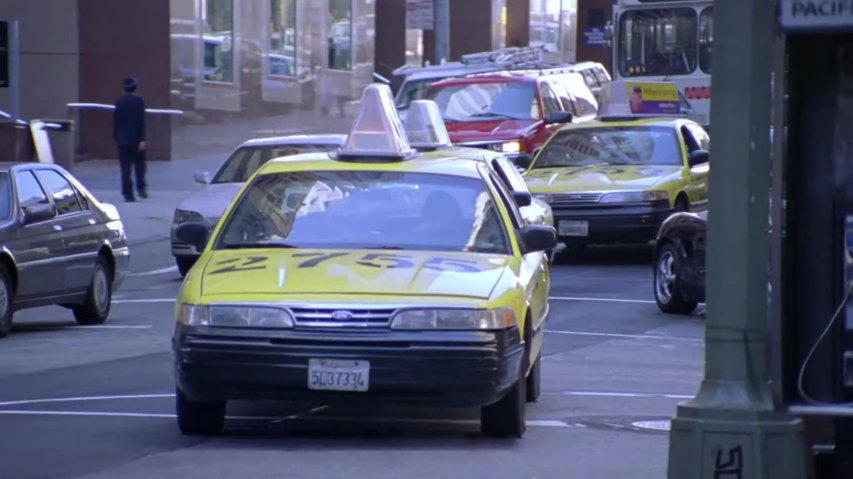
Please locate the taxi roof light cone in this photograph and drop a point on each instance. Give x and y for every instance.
(425, 127)
(377, 130)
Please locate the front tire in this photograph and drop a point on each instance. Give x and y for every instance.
(185, 263)
(507, 417)
(197, 418)
(533, 388)
(669, 292)
(7, 296)
(96, 308)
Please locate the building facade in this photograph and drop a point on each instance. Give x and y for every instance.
(245, 68)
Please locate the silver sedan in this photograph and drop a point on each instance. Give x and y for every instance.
(209, 203)
(58, 244)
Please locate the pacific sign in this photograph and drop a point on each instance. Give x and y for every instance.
(816, 14)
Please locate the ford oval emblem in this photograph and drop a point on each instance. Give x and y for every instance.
(342, 315)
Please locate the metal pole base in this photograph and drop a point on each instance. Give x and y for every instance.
(735, 444)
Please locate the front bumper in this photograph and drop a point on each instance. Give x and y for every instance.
(608, 224)
(449, 368)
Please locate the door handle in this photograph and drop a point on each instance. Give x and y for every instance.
(57, 228)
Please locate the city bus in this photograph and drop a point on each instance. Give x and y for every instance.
(666, 40)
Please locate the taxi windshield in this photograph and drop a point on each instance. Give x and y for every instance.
(245, 161)
(640, 145)
(486, 101)
(367, 210)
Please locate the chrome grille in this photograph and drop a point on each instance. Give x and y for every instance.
(575, 198)
(342, 317)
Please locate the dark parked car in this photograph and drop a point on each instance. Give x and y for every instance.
(679, 273)
(58, 244)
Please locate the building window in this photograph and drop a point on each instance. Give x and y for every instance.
(281, 59)
(552, 24)
(414, 47)
(340, 35)
(218, 41)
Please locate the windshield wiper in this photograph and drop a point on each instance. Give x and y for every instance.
(259, 245)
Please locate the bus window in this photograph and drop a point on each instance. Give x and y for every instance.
(706, 38)
(657, 42)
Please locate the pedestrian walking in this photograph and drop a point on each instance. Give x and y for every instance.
(129, 135)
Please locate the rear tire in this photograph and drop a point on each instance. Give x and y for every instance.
(197, 418)
(96, 308)
(669, 293)
(7, 297)
(185, 263)
(507, 417)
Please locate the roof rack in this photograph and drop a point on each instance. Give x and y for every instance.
(511, 57)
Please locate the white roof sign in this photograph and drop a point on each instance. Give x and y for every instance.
(816, 14)
(377, 130)
(424, 125)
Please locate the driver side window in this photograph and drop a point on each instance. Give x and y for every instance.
(29, 190)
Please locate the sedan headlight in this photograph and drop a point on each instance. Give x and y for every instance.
(459, 319)
(635, 197)
(235, 316)
(511, 147)
(186, 216)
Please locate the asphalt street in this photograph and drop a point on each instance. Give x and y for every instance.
(98, 402)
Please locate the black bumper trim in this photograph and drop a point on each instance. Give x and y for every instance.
(464, 369)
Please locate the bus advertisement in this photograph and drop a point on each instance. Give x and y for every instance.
(666, 40)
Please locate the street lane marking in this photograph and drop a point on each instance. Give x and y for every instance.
(155, 272)
(25, 412)
(627, 336)
(620, 394)
(85, 398)
(602, 300)
(152, 300)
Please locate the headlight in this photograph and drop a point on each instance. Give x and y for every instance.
(461, 319)
(234, 316)
(546, 197)
(635, 197)
(511, 147)
(193, 315)
(186, 216)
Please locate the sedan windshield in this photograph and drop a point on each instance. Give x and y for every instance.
(646, 145)
(486, 101)
(245, 161)
(370, 210)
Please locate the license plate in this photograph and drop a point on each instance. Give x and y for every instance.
(574, 228)
(337, 375)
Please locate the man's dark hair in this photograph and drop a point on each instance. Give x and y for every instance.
(130, 84)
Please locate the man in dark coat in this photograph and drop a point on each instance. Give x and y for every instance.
(129, 135)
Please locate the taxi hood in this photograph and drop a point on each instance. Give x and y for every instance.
(598, 178)
(489, 130)
(351, 272)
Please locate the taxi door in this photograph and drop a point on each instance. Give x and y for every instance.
(533, 272)
(695, 137)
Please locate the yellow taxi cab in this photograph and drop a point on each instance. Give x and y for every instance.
(614, 180)
(370, 275)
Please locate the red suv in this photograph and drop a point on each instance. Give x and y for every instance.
(514, 112)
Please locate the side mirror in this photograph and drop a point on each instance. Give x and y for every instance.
(39, 212)
(538, 237)
(698, 157)
(522, 198)
(193, 233)
(202, 177)
(522, 161)
(559, 117)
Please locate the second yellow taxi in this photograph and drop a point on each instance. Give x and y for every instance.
(371, 275)
(614, 180)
